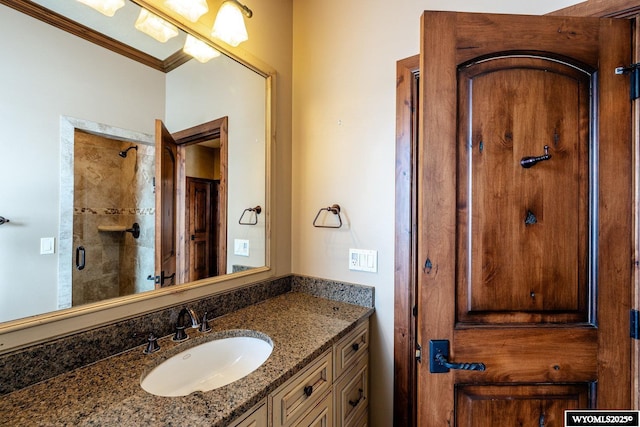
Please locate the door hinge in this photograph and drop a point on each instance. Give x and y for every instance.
(634, 320)
(418, 353)
(415, 310)
(634, 74)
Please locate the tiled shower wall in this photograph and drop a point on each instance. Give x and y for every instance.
(112, 191)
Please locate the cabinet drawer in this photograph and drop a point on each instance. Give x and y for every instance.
(257, 417)
(363, 421)
(349, 348)
(351, 394)
(320, 416)
(299, 394)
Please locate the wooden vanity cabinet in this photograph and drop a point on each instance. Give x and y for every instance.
(351, 378)
(298, 396)
(255, 417)
(333, 390)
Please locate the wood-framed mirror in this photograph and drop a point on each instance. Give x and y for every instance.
(142, 90)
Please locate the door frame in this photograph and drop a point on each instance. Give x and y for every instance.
(217, 128)
(404, 337)
(405, 231)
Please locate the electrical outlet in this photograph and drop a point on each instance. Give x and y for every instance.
(241, 247)
(363, 260)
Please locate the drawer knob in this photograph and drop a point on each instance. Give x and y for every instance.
(355, 346)
(354, 403)
(308, 390)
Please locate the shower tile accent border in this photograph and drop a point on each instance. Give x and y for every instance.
(338, 291)
(47, 360)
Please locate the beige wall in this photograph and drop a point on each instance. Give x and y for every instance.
(345, 55)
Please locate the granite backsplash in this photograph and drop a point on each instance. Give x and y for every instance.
(40, 362)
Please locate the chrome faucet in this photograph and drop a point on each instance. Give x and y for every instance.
(180, 334)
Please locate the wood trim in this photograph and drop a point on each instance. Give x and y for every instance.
(217, 128)
(635, 298)
(404, 348)
(59, 21)
(602, 9)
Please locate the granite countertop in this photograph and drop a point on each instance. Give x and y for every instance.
(108, 392)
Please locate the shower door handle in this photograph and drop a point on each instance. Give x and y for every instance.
(160, 280)
(80, 257)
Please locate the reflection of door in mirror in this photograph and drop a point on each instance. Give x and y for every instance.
(201, 221)
(166, 179)
(191, 231)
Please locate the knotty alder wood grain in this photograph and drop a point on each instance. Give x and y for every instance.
(521, 296)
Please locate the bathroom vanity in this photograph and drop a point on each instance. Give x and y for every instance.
(331, 391)
(318, 370)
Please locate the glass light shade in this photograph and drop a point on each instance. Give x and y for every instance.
(155, 26)
(199, 49)
(229, 25)
(106, 7)
(190, 9)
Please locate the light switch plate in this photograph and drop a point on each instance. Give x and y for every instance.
(241, 247)
(363, 260)
(47, 245)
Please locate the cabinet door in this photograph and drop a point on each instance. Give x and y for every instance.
(351, 393)
(298, 395)
(255, 418)
(320, 416)
(349, 349)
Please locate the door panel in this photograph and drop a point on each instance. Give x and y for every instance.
(166, 206)
(527, 270)
(201, 205)
(511, 217)
(522, 406)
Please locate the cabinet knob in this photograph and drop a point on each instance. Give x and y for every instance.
(354, 403)
(355, 346)
(308, 390)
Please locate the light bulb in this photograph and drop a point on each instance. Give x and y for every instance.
(229, 25)
(106, 7)
(199, 49)
(190, 9)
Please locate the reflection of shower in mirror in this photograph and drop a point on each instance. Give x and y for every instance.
(123, 153)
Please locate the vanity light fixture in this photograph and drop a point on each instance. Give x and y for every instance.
(229, 24)
(190, 9)
(199, 49)
(106, 7)
(155, 26)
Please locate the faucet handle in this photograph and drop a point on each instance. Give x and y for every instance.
(204, 326)
(180, 334)
(152, 345)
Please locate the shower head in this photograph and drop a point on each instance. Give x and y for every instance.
(123, 154)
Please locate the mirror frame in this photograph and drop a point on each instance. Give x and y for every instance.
(24, 332)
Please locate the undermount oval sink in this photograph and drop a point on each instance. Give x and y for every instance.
(207, 366)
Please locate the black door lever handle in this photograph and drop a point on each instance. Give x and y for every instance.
(439, 363)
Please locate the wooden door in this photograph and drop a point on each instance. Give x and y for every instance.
(525, 270)
(166, 207)
(201, 203)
